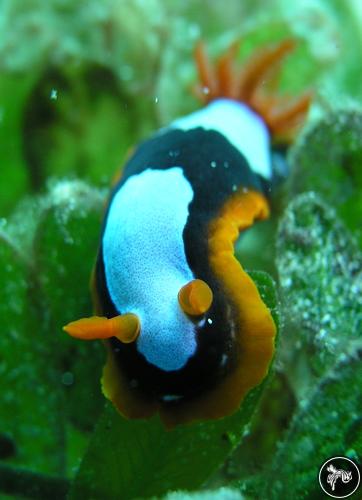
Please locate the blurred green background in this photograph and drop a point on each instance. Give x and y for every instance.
(80, 84)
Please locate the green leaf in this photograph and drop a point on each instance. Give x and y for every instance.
(327, 159)
(65, 247)
(319, 266)
(324, 427)
(267, 289)
(30, 403)
(139, 458)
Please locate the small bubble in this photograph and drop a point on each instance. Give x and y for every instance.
(287, 282)
(246, 431)
(205, 90)
(234, 188)
(303, 403)
(209, 320)
(322, 333)
(54, 94)
(67, 378)
(326, 318)
(226, 164)
(224, 359)
(68, 240)
(355, 288)
(213, 164)
(342, 358)
(156, 99)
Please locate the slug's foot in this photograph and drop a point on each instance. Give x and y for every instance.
(283, 115)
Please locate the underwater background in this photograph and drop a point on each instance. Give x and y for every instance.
(80, 84)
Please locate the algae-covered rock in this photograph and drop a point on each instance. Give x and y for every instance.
(328, 425)
(319, 265)
(320, 269)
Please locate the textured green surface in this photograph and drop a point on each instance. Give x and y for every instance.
(65, 247)
(42, 372)
(320, 269)
(329, 424)
(29, 403)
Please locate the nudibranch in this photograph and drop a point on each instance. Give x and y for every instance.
(186, 330)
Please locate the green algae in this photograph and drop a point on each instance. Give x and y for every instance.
(320, 269)
(25, 370)
(42, 373)
(321, 429)
(65, 245)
